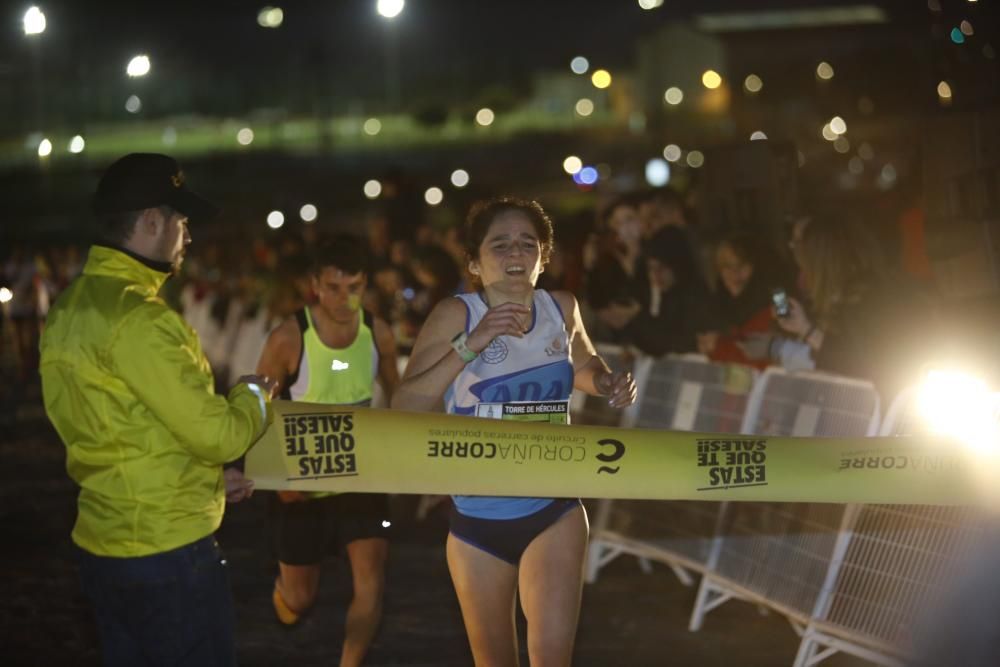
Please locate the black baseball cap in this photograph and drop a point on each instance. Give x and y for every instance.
(147, 180)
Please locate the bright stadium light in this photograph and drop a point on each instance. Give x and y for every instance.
(138, 66)
(389, 9)
(34, 21)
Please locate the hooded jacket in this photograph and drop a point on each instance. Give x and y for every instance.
(128, 389)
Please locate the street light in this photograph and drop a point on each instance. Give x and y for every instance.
(34, 21)
(389, 9)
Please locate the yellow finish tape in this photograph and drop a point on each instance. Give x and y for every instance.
(311, 447)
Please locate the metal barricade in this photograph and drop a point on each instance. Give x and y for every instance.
(778, 555)
(893, 563)
(682, 393)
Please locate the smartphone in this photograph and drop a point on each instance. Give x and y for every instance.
(780, 300)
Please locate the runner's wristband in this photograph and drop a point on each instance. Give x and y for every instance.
(463, 351)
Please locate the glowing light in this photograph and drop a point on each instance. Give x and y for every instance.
(587, 176)
(572, 164)
(6, 296)
(386, 524)
(460, 178)
(77, 144)
(829, 134)
(695, 159)
(270, 17)
(856, 166)
(957, 37)
(584, 106)
(841, 145)
(579, 65)
(433, 196)
(887, 177)
(389, 9)
(138, 66)
(34, 21)
(711, 79)
(169, 137)
(966, 28)
(824, 71)
(865, 151)
(672, 152)
(245, 136)
(485, 117)
(133, 104)
(601, 78)
(275, 219)
(372, 189)
(650, 4)
(372, 126)
(960, 405)
(838, 125)
(673, 95)
(657, 172)
(944, 91)
(758, 136)
(753, 84)
(308, 213)
(44, 148)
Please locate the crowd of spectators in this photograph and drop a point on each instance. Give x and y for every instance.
(651, 279)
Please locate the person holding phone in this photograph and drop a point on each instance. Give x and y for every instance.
(511, 342)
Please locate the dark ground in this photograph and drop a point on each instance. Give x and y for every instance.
(628, 618)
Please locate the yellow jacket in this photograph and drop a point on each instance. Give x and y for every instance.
(131, 394)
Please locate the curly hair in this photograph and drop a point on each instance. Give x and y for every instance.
(484, 213)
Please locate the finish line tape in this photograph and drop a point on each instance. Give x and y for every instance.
(312, 447)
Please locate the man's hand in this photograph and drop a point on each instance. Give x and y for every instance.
(238, 487)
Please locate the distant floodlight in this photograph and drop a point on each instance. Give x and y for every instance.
(275, 219)
(657, 172)
(673, 96)
(245, 136)
(711, 79)
(372, 189)
(34, 21)
(460, 178)
(579, 65)
(308, 213)
(433, 196)
(270, 17)
(485, 117)
(133, 104)
(138, 66)
(389, 9)
(44, 148)
(572, 164)
(76, 144)
(601, 78)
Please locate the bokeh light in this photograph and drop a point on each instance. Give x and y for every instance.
(138, 66)
(838, 125)
(270, 17)
(44, 148)
(657, 172)
(711, 79)
(133, 104)
(824, 71)
(275, 219)
(957, 37)
(841, 144)
(672, 152)
(753, 84)
(673, 95)
(586, 176)
(245, 136)
(34, 21)
(695, 159)
(601, 78)
(485, 117)
(433, 196)
(460, 178)
(650, 4)
(372, 126)
(372, 189)
(758, 136)
(572, 164)
(579, 65)
(389, 9)
(584, 106)
(944, 92)
(308, 213)
(77, 144)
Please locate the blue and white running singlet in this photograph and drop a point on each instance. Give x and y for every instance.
(511, 378)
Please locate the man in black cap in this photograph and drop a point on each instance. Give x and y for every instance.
(131, 395)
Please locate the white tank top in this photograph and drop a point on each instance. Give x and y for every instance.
(531, 371)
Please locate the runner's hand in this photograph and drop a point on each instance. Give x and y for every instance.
(507, 319)
(618, 387)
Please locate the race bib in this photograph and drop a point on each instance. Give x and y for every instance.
(553, 412)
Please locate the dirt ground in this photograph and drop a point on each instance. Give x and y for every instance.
(628, 618)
